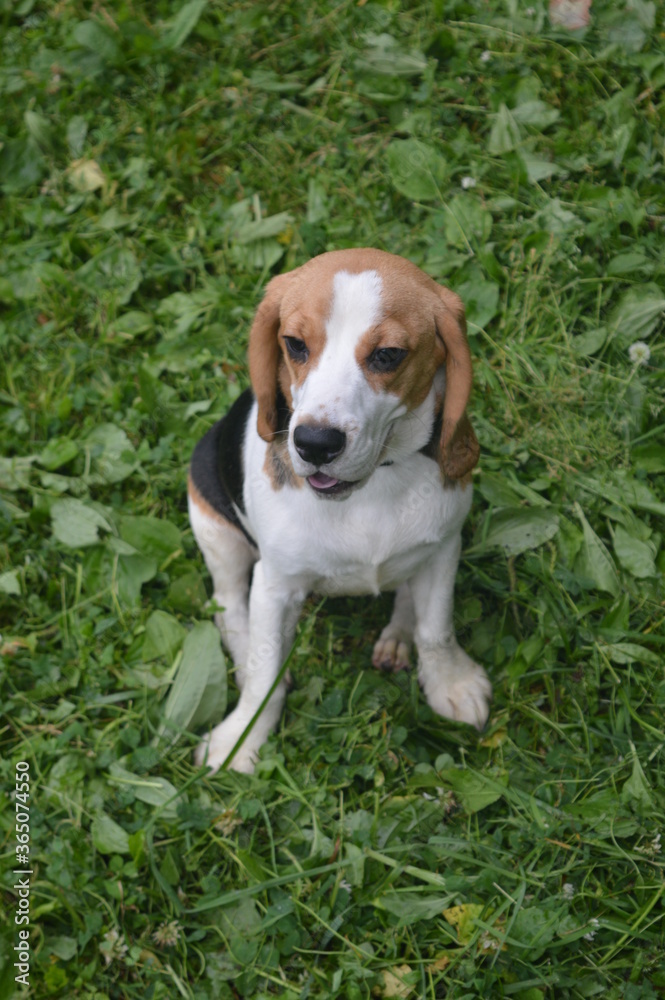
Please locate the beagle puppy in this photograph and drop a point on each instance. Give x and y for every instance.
(344, 470)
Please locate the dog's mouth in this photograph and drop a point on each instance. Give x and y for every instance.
(328, 486)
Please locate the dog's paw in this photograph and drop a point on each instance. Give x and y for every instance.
(216, 747)
(455, 686)
(391, 650)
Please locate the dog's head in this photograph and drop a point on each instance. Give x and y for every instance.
(355, 340)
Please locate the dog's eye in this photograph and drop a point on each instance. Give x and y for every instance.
(386, 359)
(297, 349)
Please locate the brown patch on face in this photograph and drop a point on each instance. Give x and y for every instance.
(278, 466)
(310, 328)
(412, 379)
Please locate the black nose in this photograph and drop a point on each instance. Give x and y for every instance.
(318, 445)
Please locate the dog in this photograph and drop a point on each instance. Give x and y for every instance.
(345, 469)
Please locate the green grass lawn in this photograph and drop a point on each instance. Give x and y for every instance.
(159, 162)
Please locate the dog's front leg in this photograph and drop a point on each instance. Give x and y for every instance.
(454, 685)
(273, 615)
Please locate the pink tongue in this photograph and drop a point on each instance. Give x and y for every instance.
(320, 481)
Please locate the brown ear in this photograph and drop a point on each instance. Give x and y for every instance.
(264, 355)
(459, 449)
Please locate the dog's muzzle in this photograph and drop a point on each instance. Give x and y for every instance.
(318, 446)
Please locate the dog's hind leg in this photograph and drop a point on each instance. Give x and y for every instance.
(391, 651)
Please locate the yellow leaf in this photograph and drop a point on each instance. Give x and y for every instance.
(495, 739)
(464, 919)
(393, 983)
(440, 963)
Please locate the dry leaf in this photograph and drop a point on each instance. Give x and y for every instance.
(394, 985)
(12, 646)
(86, 175)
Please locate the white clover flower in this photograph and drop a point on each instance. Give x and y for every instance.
(639, 353)
(530, 11)
(653, 847)
(167, 934)
(485, 56)
(113, 947)
(468, 182)
(594, 924)
(488, 943)
(568, 890)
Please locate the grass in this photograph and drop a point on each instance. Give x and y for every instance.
(159, 162)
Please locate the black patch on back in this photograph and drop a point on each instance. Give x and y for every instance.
(230, 447)
(217, 462)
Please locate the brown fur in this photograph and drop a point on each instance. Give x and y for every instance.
(459, 445)
(304, 326)
(264, 354)
(413, 379)
(278, 466)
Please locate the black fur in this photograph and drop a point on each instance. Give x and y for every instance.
(217, 463)
(431, 449)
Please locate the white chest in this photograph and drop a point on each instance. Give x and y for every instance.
(373, 540)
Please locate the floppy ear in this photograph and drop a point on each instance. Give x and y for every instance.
(458, 448)
(264, 355)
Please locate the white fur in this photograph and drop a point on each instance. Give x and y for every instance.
(400, 529)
